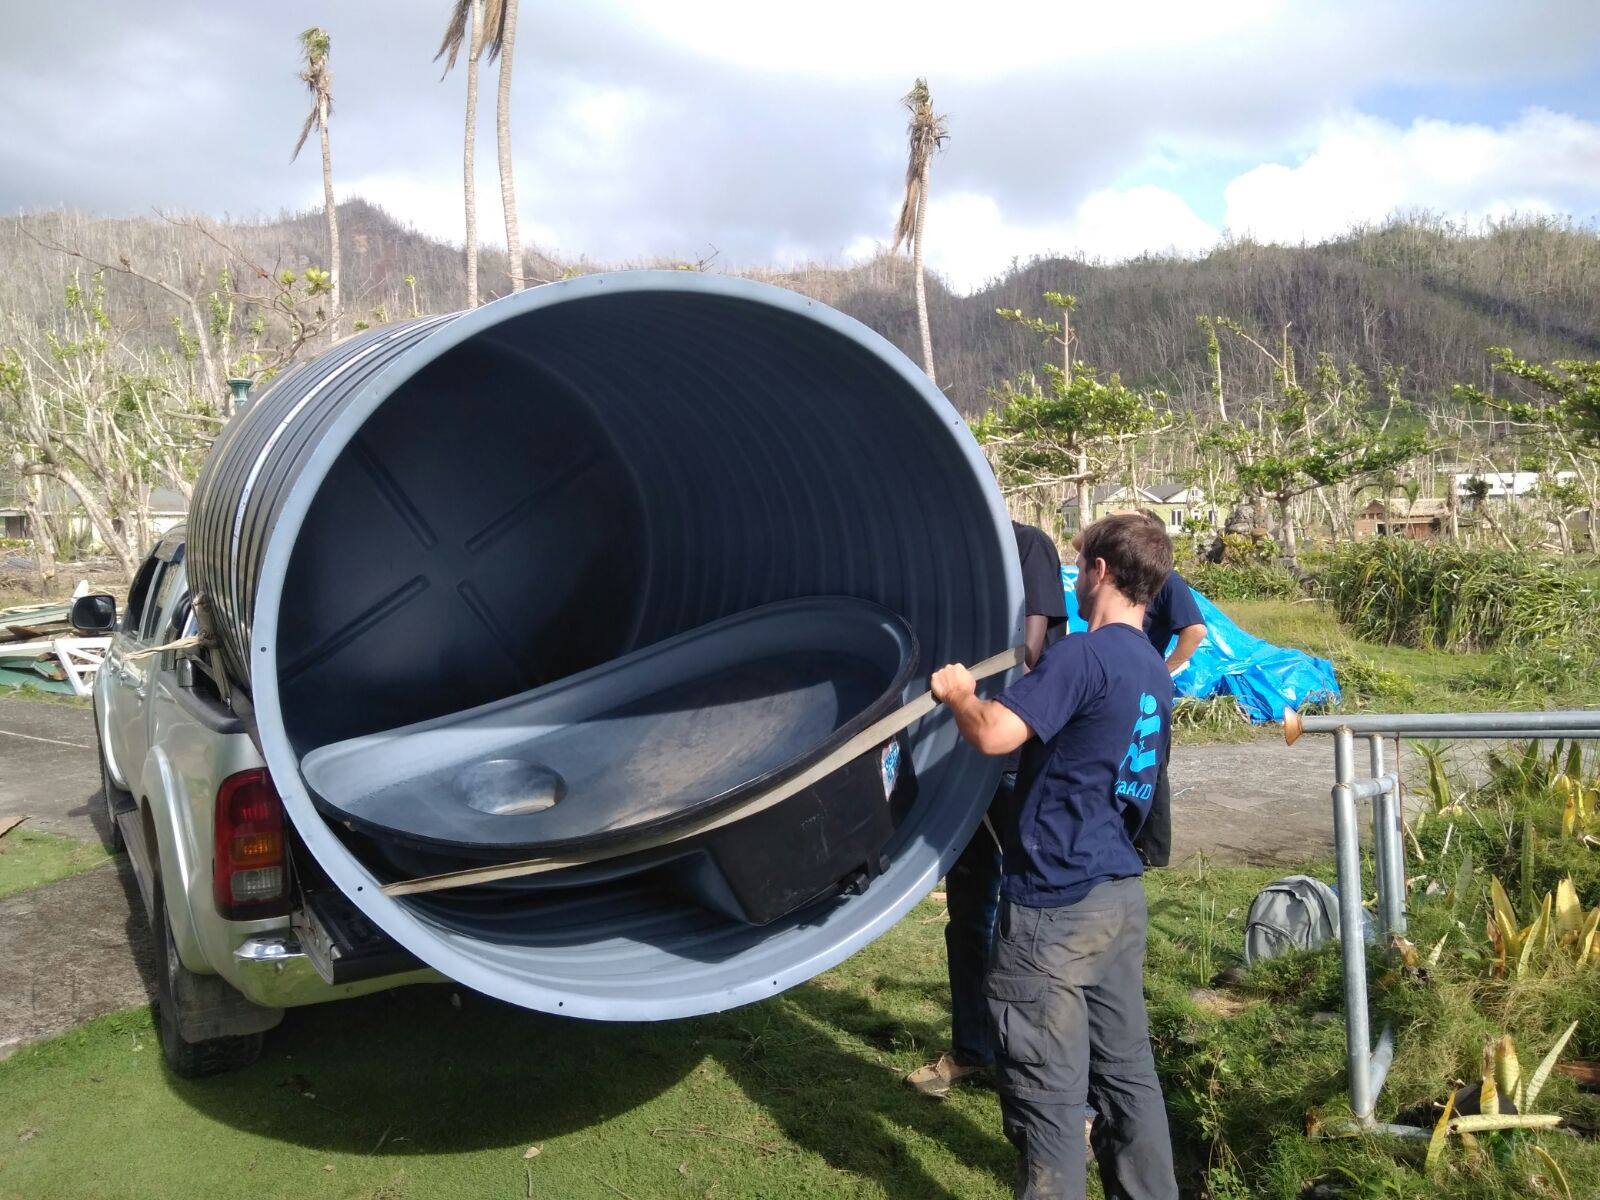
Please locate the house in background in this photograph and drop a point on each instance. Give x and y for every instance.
(1178, 503)
(1174, 502)
(1422, 520)
(168, 508)
(13, 518)
(1503, 486)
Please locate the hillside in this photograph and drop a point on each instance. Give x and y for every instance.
(1418, 294)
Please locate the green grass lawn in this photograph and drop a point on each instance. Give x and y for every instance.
(29, 858)
(408, 1095)
(1443, 681)
(42, 696)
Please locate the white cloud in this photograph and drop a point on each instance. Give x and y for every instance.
(431, 203)
(943, 38)
(1358, 169)
(1364, 169)
(773, 133)
(971, 239)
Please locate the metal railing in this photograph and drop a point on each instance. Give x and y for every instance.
(1366, 1066)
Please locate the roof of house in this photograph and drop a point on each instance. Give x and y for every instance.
(1164, 492)
(1424, 508)
(1155, 493)
(167, 500)
(1102, 492)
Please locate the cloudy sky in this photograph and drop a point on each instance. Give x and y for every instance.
(773, 131)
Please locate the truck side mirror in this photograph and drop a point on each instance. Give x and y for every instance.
(95, 614)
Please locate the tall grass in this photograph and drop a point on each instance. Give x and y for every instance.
(1243, 581)
(1449, 597)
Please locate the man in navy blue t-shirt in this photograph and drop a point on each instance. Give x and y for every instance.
(1066, 983)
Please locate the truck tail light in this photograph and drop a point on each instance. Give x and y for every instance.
(250, 869)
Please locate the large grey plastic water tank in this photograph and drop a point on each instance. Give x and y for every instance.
(451, 510)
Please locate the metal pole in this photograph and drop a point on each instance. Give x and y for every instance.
(1382, 1060)
(1395, 883)
(1352, 947)
(1380, 837)
(1494, 724)
(1389, 847)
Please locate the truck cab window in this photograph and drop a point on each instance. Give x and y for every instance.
(169, 592)
(138, 595)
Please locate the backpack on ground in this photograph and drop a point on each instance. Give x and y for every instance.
(1296, 913)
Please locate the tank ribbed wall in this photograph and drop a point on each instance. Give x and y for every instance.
(255, 462)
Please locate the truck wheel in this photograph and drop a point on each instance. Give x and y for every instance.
(116, 799)
(174, 981)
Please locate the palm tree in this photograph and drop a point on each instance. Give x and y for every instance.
(499, 40)
(925, 133)
(319, 81)
(466, 25)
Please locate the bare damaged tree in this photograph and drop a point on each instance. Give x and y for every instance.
(53, 399)
(1297, 439)
(41, 529)
(314, 46)
(262, 332)
(499, 41)
(466, 27)
(192, 301)
(94, 407)
(1059, 332)
(925, 134)
(228, 331)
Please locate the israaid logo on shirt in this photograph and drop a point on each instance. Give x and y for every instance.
(1142, 753)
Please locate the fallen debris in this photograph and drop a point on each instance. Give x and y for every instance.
(65, 665)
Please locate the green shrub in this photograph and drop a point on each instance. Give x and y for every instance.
(1246, 581)
(1536, 672)
(1450, 597)
(1218, 719)
(1362, 681)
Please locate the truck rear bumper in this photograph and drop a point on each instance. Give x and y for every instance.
(272, 970)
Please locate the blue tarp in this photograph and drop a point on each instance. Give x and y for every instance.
(1264, 679)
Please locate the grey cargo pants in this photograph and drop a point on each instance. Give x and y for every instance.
(1066, 991)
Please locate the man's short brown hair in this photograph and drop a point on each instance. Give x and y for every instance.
(1137, 551)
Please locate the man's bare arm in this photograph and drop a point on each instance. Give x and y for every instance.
(1189, 639)
(987, 725)
(1034, 627)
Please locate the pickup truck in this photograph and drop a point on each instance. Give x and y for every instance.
(244, 924)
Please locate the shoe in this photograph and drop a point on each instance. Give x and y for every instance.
(936, 1079)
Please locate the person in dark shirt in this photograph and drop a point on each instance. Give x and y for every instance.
(972, 887)
(1172, 612)
(1065, 985)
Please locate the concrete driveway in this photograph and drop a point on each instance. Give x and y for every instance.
(79, 947)
(48, 769)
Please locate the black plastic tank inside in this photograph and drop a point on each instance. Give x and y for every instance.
(433, 540)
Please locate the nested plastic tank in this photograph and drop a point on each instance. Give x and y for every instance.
(461, 523)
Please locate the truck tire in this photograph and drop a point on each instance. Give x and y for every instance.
(117, 800)
(190, 1060)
